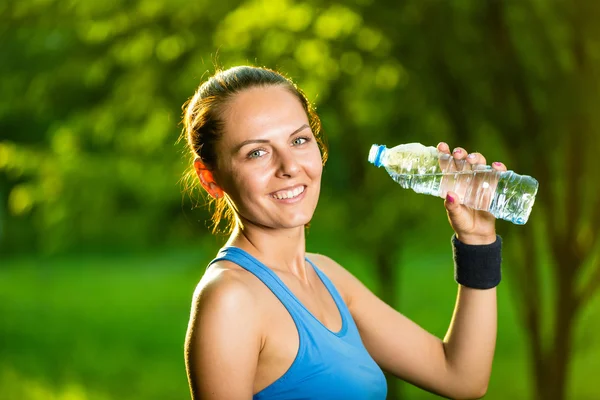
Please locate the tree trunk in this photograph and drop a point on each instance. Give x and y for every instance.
(388, 277)
(551, 377)
(551, 367)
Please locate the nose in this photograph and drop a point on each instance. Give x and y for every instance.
(288, 164)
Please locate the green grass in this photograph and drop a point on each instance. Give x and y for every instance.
(103, 327)
(112, 327)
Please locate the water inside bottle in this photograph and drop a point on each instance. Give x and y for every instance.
(506, 195)
(474, 187)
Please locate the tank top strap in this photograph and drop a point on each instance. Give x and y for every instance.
(268, 277)
(331, 288)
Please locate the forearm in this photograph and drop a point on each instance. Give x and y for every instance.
(471, 338)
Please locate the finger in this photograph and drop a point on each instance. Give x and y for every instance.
(459, 153)
(499, 166)
(443, 147)
(476, 158)
(452, 202)
(444, 157)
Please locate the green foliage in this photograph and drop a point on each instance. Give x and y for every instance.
(88, 155)
(90, 115)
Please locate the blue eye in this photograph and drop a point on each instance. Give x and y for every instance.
(303, 139)
(256, 153)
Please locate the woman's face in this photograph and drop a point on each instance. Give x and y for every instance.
(269, 162)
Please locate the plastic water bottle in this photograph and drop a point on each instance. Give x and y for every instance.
(505, 195)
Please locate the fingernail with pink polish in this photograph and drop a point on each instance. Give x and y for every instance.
(497, 163)
(449, 198)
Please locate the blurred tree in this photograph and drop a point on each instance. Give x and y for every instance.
(524, 76)
(554, 85)
(89, 112)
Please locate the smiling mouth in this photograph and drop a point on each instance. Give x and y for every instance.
(288, 194)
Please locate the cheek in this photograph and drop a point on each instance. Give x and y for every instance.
(315, 166)
(250, 183)
(317, 170)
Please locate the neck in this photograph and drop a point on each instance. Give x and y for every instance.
(279, 249)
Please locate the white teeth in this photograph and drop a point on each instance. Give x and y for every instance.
(288, 194)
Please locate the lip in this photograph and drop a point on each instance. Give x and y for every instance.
(292, 200)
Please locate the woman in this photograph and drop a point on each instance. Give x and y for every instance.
(270, 321)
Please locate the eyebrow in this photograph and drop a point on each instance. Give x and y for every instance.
(250, 141)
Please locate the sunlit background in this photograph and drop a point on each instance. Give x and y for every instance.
(100, 250)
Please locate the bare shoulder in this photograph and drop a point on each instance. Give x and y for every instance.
(223, 283)
(225, 295)
(224, 305)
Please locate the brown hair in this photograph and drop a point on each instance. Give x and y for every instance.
(203, 125)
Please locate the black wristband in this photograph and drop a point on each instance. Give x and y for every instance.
(477, 266)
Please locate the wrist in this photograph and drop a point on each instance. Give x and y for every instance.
(476, 239)
(477, 266)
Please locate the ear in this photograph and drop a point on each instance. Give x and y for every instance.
(207, 179)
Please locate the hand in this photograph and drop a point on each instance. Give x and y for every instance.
(471, 226)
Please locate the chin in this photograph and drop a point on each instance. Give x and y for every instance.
(290, 223)
(296, 221)
(279, 222)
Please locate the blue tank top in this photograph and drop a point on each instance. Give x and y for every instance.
(328, 365)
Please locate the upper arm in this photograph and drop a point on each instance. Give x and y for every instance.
(396, 343)
(223, 339)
